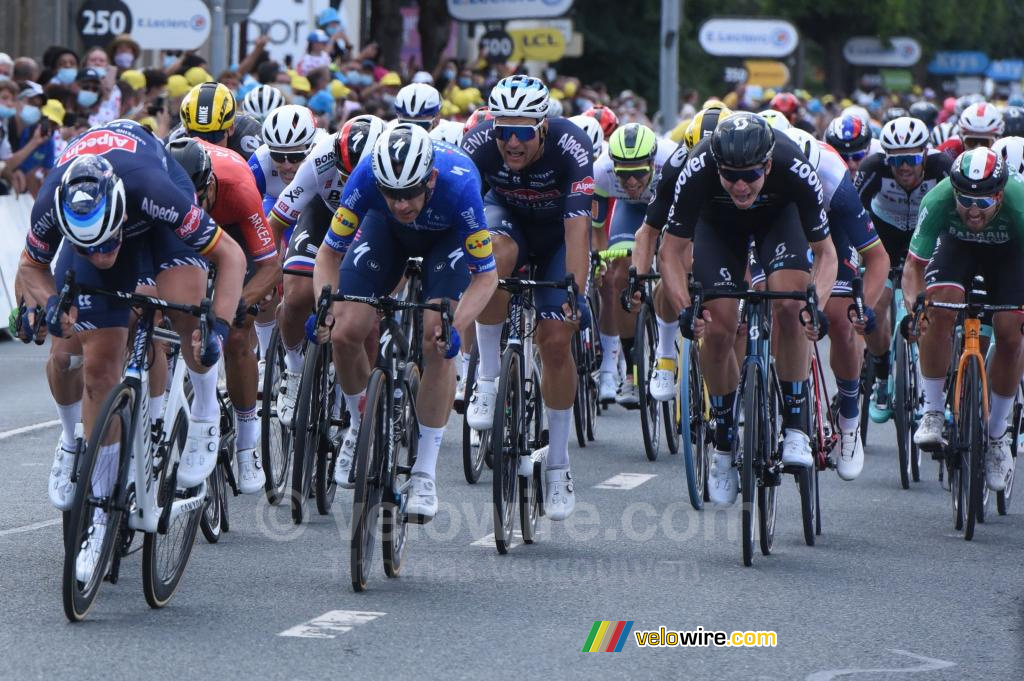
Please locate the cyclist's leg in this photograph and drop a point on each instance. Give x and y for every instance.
(896, 243)
(298, 299)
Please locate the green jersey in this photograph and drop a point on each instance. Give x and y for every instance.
(938, 216)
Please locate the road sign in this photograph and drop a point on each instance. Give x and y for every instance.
(99, 21)
(766, 73)
(725, 37)
(498, 10)
(870, 51)
(496, 46)
(538, 44)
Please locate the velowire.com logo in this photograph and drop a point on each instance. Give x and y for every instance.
(607, 636)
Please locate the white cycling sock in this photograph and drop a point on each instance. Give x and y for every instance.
(463, 365)
(204, 400)
(999, 411)
(610, 346)
(352, 404)
(427, 447)
(70, 415)
(247, 427)
(293, 358)
(934, 393)
(667, 332)
(559, 421)
(488, 339)
(156, 407)
(264, 330)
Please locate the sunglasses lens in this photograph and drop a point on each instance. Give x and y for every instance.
(750, 175)
(282, 157)
(979, 201)
(108, 246)
(524, 133)
(856, 156)
(402, 194)
(904, 159)
(636, 171)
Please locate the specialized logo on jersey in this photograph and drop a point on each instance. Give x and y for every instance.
(98, 142)
(478, 244)
(584, 186)
(344, 222)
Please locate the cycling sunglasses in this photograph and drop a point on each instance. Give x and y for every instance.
(975, 142)
(423, 123)
(523, 133)
(735, 175)
(626, 172)
(402, 194)
(288, 156)
(108, 246)
(215, 137)
(981, 202)
(855, 155)
(897, 160)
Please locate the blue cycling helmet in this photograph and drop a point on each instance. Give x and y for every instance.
(90, 202)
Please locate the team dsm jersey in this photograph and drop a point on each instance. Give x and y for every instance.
(158, 192)
(699, 193)
(317, 176)
(888, 202)
(557, 186)
(456, 203)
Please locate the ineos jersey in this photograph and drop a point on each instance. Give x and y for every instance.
(316, 176)
(699, 194)
(557, 186)
(888, 202)
(158, 192)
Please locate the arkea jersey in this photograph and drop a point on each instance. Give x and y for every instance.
(317, 176)
(456, 203)
(888, 202)
(158, 192)
(557, 186)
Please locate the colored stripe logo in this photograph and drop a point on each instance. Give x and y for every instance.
(607, 636)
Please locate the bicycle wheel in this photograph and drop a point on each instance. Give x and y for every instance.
(473, 445)
(165, 555)
(913, 406)
(692, 425)
(306, 431)
(973, 425)
(211, 521)
(326, 448)
(507, 438)
(275, 439)
(903, 410)
(671, 411)
(591, 382)
(645, 345)
(579, 404)
(100, 484)
(393, 521)
(867, 385)
(530, 486)
(371, 450)
(1003, 497)
(754, 436)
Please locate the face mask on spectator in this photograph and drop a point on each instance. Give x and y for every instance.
(169, 61)
(101, 70)
(30, 114)
(67, 76)
(465, 82)
(86, 98)
(124, 59)
(7, 112)
(388, 98)
(4, 76)
(353, 77)
(449, 74)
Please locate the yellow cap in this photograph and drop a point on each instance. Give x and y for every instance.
(135, 79)
(300, 84)
(570, 88)
(448, 109)
(465, 99)
(555, 93)
(845, 102)
(197, 75)
(149, 122)
(678, 132)
(391, 78)
(177, 86)
(339, 90)
(54, 110)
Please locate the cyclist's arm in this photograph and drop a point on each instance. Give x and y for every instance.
(931, 221)
(664, 189)
(326, 268)
(476, 246)
(674, 251)
(34, 281)
(645, 242)
(823, 271)
(579, 196)
(913, 280)
(294, 198)
(876, 272)
(600, 211)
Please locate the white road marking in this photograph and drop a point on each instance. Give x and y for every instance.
(625, 481)
(34, 463)
(487, 541)
(929, 664)
(29, 528)
(330, 624)
(28, 429)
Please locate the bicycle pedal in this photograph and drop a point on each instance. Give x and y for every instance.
(459, 406)
(416, 518)
(771, 479)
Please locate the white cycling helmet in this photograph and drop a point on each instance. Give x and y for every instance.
(1012, 151)
(807, 144)
(417, 101)
(289, 126)
(776, 119)
(519, 96)
(90, 202)
(403, 157)
(942, 132)
(555, 108)
(261, 100)
(592, 128)
(981, 120)
(448, 131)
(904, 133)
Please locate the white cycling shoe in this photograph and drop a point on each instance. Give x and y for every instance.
(60, 487)
(608, 387)
(89, 555)
(346, 453)
(723, 479)
(998, 462)
(200, 455)
(421, 502)
(628, 395)
(928, 435)
(851, 454)
(663, 380)
(480, 413)
(559, 494)
(287, 396)
(251, 478)
(796, 449)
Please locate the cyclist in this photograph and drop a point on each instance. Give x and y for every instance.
(592, 128)
(625, 178)
(227, 191)
(789, 105)
(540, 178)
(127, 212)
(971, 223)
(261, 100)
(208, 112)
(1013, 121)
(418, 104)
(605, 116)
(892, 185)
(926, 112)
(1011, 149)
(852, 140)
(749, 180)
(322, 176)
(414, 197)
(980, 125)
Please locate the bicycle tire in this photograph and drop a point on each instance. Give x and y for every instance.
(914, 402)
(867, 385)
(394, 526)
(304, 444)
(808, 491)
(368, 493)
(753, 444)
(79, 599)
(645, 344)
(1004, 496)
(671, 410)
(275, 439)
(904, 434)
(472, 455)
(506, 445)
(591, 382)
(325, 488)
(530, 504)
(767, 504)
(975, 427)
(579, 405)
(159, 588)
(694, 445)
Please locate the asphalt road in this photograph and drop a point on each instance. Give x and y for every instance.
(890, 590)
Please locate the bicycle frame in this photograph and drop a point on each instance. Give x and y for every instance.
(971, 351)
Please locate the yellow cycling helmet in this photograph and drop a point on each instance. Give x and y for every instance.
(208, 107)
(703, 123)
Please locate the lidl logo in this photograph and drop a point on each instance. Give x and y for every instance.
(607, 636)
(478, 244)
(344, 222)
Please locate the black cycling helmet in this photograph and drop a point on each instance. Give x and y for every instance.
(926, 112)
(742, 140)
(894, 112)
(979, 172)
(1013, 122)
(191, 156)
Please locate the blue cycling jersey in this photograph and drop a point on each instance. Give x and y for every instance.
(454, 204)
